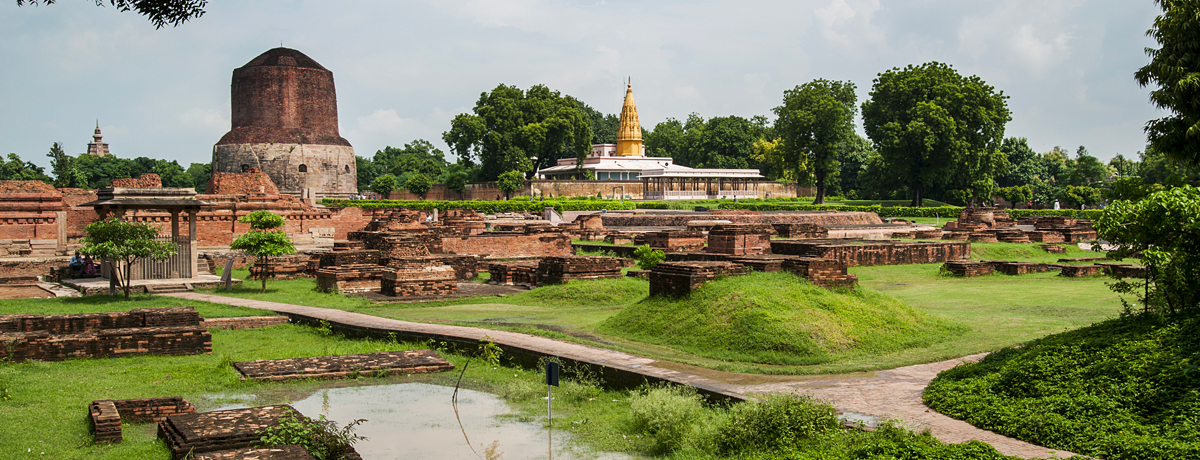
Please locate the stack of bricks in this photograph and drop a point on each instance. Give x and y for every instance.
(351, 278)
(1041, 236)
(287, 267)
(514, 272)
(1073, 230)
(288, 452)
(760, 262)
(466, 267)
(560, 269)
(422, 282)
(106, 421)
(159, 331)
(348, 245)
(797, 230)
(826, 273)
(1054, 248)
(385, 220)
(982, 237)
(618, 238)
(935, 234)
(955, 236)
(1020, 268)
(968, 268)
(905, 235)
(348, 257)
(676, 241)
(1080, 271)
(740, 239)
(1124, 270)
(681, 278)
(704, 225)
(143, 181)
(392, 245)
(863, 253)
(192, 434)
(468, 221)
(1010, 235)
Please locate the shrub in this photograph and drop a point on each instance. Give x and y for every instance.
(778, 422)
(322, 438)
(648, 257)
(669, 416)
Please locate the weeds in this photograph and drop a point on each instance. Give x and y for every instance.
(323, 439)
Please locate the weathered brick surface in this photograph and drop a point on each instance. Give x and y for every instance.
(868, 253)
(286, 267)
(934, 234)
(827, 273)
(681, 278)
(1010, 235)
(676, 241)
(351, 278)
(515, 272)
(740, 239)
(245, 322)
(465, 267)
(681, 218)
(1045, 236)
(560, 269)
(1080, 271)
(1020, 268)
(503, 246)
(290, 452)
(1054, 248)
(106, 421)
(29, 210)
(165, 331)
(590, 222)
(982, 237)
(347, 257)
(343, 366)
(618, 238)
(968, 268)
(1123, 270)
(420, 282)
(468, 221)
(191, 434)
(150, 180)
(956, 236)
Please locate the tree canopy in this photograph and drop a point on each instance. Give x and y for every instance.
(124, 242)
(263, 241)
(814, 122)
(510, 182)
(16, 169)
(159, 12)
(515, 130)
(1175, 69)
(937, 129)
(418, 184)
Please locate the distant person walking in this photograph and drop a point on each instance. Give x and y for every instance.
(1056, 205)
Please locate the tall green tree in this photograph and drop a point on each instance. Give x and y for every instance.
(200, 173)
(935, 127)
(604, 127)
(515, 130)
(510, 182)
(814, 122)
(17, 169)
(1174, 69)
(1024, 165)
(264, 240)
(126, 242)
(383, 185)
(1122, 166)
(417, 157)
(666, 140)
(852, 161)
(61, 166)
(366, 172)
(418, 184)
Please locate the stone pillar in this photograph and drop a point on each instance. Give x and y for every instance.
(194, 243)
(174, 224)
(61, 219)
(435, 215)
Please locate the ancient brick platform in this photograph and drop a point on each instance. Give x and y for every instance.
(437, 280)
(351, 278)
(106, 415)
(869, 253)
(1020, 268)
(800, 230)
(1010, 235)
(935, 234)
(1080, 271)
(760, 262)
(160, 331)
(466, 267)
(286, 267)
(827, 273)
(1040, 236)
(220, 430)
(292, 452)
(956, 236)
(558, 270)
(740, 239)
(676, 241)
(982, 237)
(618, 238)
(338, 367)
(244, 322)
(681, 278)
(1124, 270)
(349, 257)
(1053, 248)
(515, 272)
(968, 268)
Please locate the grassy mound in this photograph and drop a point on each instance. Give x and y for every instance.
(602, 292)
(778, 318)
(1126, 388)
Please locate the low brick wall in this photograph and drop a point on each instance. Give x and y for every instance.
(466, 267)
(680, 219)
(246, 322)
(284, 267)
(343, 366)
(1045, 237)
(1054, 248)
(1080, 271)
(681, 278)
(558, 270)
(968, 268)
(160, 331)
(106, 421)
(428, 281)
(676, 241)
(515, 272)
(821, 272)
(740, 239)
(192, 434)
(800, 230)
(351, 278)
(504, 245)
(1124, 270)
(349, 257)
(1020, 268)
(863, 253)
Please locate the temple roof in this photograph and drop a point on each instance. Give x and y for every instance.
(283, 57)
(630, 128)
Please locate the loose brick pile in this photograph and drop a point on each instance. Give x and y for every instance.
(291, 452)
(800, 230)
(676, 241)
(348, 257)
(244, 322)
(868, 253)
(420, 282)
(351, 278)
(681, 278)
(560, 269)
(106, 414)
(343, 366)
(740, 239)
(1080, 271)
(514, 272)
(821, 272)
(968, 268)
(221, 430)
(159, 331)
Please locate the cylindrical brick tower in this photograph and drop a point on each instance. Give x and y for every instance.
(285, 123)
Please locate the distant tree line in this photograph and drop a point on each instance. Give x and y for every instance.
(92, 171)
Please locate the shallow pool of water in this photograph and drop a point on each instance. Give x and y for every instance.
(416, 421)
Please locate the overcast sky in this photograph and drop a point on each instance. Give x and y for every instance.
(403, 69)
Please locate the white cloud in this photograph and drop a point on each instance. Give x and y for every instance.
(205, 118)
(382, 122)
(847, 23)
(1036, 43)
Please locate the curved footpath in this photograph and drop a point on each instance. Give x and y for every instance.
(893, 394)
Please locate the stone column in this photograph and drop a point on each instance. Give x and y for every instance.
(174, 224)
(194, 243)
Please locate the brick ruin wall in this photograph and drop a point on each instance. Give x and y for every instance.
(501, 246)
(860, 253)
(160, 331)
(428, 281)
(143, 181)
(620, 219)
(351, 278)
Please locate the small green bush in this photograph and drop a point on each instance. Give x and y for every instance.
(779, 422)
(322, 438)
(669, 416)
(648, 257)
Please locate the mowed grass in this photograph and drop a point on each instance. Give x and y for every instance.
(778, 319)
(104, 303)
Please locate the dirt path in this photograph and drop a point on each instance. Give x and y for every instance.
(891, 394)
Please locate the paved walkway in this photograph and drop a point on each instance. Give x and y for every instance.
(891, 394)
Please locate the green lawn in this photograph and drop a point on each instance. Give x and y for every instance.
(104, 303)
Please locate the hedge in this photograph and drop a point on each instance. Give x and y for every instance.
(905, 211)
(514, 205)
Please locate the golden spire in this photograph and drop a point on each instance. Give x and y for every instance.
(629, 135)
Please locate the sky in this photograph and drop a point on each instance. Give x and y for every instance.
(404, 69)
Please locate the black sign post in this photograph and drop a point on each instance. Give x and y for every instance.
(551, 380)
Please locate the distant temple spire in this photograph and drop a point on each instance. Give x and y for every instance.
(629, 134)
(96, 147)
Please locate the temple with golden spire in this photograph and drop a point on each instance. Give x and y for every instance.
(660, 178)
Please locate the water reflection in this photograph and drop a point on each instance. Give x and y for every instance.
(415, 421)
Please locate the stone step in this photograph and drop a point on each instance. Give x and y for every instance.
(165, 288)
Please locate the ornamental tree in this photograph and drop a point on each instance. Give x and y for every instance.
(418, 184)
(126, 242)
(263, 241)
(935, 128)
(814, 122)
(1175, 68)
(510, 182)
(383, 185)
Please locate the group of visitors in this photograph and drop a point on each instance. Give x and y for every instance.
(82, 266)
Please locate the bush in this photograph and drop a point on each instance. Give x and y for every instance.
(514, 205)
(779, 422)
(321, 438)
(648, 257)
(669, 416)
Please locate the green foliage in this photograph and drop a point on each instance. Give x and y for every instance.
(604, 127)
(776, 423)
(814, 122)
(499, 206)
(511, 182)
(159, 13)
(383, 185)
(125, 242)
(1164, 228)
(1017, 195)
(648, 257)
(418, 184)
(417, 157)
(778, 318)
(1131, 189)
(200, 173)
(15, 169)
(262, 220)
(937, 128)
(508, 126)
(1122, 389)
(669, 416)
(1024, 165)
(322, 438)
(1174, 68)
(1074, 196)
